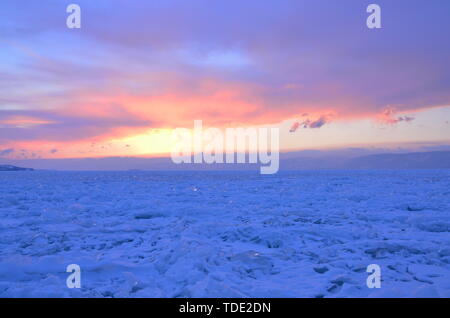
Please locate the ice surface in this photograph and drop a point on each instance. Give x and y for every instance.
(225, 234)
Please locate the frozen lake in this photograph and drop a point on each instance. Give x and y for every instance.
(225, 234)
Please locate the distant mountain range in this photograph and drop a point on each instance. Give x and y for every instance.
(301, 160)
(416, 160)
(13, 168)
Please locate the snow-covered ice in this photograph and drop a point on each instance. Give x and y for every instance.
(225, 234)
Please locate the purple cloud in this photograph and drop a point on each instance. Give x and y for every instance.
(287, 55)
(312, 124)
(388, 116)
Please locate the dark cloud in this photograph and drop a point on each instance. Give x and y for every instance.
(405, 118)
(319, 122)
(308, 123)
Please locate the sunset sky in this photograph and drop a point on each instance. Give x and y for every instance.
(137, 69)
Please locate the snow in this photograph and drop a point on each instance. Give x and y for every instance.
(225, 234)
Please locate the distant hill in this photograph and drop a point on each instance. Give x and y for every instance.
(416, 160)
(13, 168)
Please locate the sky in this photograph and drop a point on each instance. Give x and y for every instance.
(138, 69)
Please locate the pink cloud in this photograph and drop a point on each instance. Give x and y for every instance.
(311, 123)
(389, 116)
